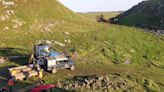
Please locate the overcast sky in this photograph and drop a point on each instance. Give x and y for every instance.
(99, 5)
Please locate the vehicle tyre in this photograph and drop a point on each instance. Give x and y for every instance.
(45, 65)
(54, 70)
(41, 61)
(72, 67)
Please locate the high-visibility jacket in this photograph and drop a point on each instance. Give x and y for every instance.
(41, 73)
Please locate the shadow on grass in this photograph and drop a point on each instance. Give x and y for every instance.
(20, 61)
(60, 90)
(17, 85)
(11, 51)
(15, 55)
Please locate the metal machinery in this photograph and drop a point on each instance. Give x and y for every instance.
(49, 60)
(43, 58)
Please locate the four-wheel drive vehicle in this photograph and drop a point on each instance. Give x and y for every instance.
(50, 60)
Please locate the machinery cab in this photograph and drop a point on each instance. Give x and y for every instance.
(42, 50)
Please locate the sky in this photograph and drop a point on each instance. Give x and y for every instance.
(99, 5)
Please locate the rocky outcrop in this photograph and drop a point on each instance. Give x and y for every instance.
(106, 83)
(7, 16)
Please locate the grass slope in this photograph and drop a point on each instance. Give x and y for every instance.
(102, 48)
(40, 15)
(34, 20)
(147, 14)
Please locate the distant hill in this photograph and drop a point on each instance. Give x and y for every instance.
(147, 14)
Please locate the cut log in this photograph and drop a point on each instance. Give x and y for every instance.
(32, 73)
(14, 72)
(26, 69)
(17, 68)
(21, 72)
(19, 76)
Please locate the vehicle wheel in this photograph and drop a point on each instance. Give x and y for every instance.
(41, 61)
(54, 70)
(72, 67)
(45, 65)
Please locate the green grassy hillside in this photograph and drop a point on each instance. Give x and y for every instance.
(39, 15)
(27, 21)
(102, 48)
(147, 14)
